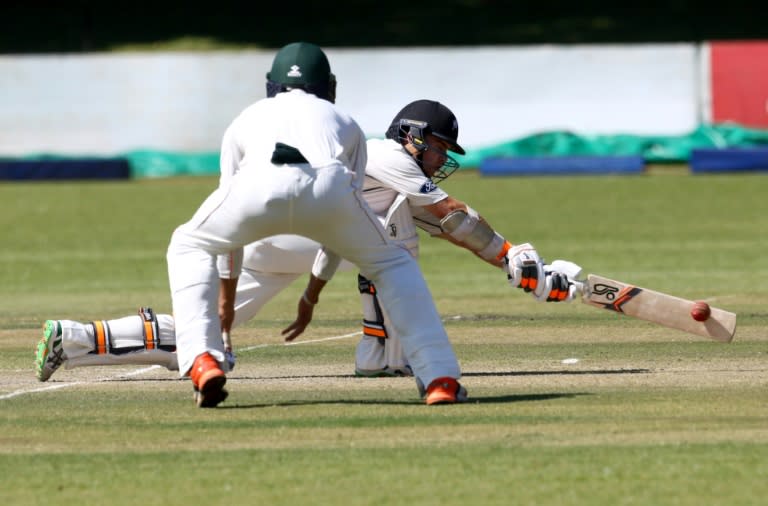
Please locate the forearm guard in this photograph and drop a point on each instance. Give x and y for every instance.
(467, 227)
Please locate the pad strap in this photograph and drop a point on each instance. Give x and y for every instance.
(372, 327)
(149, 328)
(102, 337)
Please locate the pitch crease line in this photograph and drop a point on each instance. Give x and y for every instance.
(41, 389)
(296, 343)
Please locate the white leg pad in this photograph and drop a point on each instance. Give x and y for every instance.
(395, 356)
(126, 332)
(369, 356)
(77, 339)
(166, 359)
(373, 354)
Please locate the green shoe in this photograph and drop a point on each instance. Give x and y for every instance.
(50, 351)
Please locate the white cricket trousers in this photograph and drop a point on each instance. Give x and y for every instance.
(320, 203)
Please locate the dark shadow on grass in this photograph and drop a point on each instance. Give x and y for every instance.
(498, 399)
(524, 397)
(350, 402)
(559, 372)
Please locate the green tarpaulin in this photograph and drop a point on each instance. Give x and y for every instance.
(653, 149)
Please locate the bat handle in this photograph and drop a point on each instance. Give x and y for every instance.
(581, 286)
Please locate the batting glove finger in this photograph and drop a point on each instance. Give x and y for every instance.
(559, 290)
(544, 289)
(555, 288)
(529, 278)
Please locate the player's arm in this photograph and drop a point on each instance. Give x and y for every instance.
(227, 291)
(428, 218)
(524, 268)
(464, 227)
(229, 266)
(306, 307)
(493, 261)
(325, 266)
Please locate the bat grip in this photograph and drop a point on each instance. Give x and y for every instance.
(581, 287)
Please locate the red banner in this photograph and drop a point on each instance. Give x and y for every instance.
(739, 73)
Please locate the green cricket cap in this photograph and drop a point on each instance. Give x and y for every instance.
(300, 63)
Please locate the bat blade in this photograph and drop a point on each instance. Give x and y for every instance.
(656, 307)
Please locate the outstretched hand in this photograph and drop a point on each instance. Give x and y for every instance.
(303, 317)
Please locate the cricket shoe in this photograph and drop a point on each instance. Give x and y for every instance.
(445, 391)
(208, 381)
(49, 354)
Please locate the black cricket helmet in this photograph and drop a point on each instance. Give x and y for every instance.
(302, 65)
(424, 117)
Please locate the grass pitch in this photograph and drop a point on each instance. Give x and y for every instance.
(639, 415)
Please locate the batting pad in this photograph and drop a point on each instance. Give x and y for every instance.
(729, 159)
(561, 165)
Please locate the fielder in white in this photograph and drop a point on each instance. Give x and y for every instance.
(400, 186)
(293, 163)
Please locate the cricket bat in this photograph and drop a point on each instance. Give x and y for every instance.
(655, 307)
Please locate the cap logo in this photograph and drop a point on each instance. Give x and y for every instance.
(294, 72)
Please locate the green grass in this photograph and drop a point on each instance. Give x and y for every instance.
(646, 416)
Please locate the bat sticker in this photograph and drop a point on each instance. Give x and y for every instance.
(603, 289)
(611, 293)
